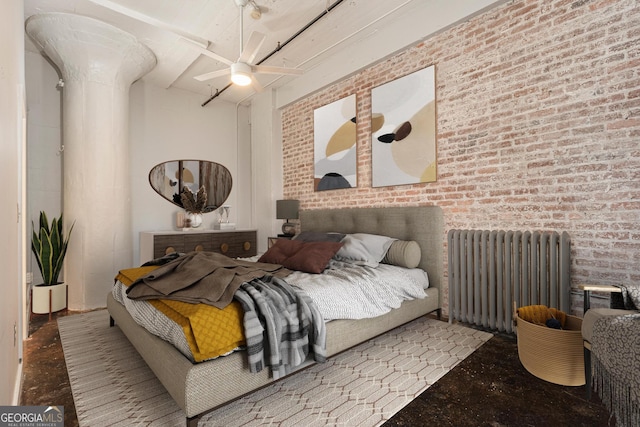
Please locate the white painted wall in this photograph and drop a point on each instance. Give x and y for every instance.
(266, 143)
(44, 159)
(242, 180)
(170, 124)
(12, 176)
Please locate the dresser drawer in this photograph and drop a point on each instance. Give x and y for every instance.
(241, 243)
(165, 244)
(198, 242)
(236, 244)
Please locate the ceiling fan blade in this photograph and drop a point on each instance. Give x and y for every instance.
(252, 47)
(213, 74)
(257, 86)
(208, 53)
(267, 69)
(215, 56)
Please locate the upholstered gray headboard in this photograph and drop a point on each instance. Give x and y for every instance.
(424, 224)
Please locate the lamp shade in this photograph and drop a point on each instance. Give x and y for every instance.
(287, 209)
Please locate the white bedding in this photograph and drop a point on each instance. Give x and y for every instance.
(347, 291)
(343, 291)
(153, 320)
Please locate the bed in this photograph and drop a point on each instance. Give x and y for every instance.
(199, 388)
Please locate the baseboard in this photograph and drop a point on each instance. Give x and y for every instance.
(17, 387)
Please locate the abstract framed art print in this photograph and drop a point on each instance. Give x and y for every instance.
(334, 136)
(403, 129)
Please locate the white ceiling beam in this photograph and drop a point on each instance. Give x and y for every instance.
(413, 21)
(151, 21)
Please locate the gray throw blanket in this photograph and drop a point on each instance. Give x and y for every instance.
(615, 347)
(631, 296)
(282, 326)
(200, 277)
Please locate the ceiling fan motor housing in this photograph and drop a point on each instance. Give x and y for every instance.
(241, 73)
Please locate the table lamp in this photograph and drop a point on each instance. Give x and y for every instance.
(287, 209)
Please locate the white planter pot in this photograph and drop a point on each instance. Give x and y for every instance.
(41, 295)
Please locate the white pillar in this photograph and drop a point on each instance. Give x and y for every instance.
(98, 64)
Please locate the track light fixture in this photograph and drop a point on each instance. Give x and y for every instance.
(256, 12)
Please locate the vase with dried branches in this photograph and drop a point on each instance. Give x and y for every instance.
(194, 204)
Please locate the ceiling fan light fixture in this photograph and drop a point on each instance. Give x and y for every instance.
(241, 74)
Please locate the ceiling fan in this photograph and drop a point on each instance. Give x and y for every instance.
(242, 70)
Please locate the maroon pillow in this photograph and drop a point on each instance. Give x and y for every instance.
(310, 257)
(281, 250)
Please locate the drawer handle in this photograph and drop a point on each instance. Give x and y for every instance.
(168, 250)
(246, 246)
(224, 248)
(199, 248)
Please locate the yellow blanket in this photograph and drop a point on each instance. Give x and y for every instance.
(539, 314)
(210, 331)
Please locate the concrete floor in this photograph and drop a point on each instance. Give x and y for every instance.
(489, 388)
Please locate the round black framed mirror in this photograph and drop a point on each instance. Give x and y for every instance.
(168, 179)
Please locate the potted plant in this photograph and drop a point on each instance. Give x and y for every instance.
(50, 247)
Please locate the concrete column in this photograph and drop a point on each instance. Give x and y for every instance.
(98, 64)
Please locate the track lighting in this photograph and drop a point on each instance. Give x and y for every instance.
(256, 12)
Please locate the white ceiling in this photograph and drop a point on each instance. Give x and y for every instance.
(162, 25)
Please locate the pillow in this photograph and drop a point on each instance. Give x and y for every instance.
(403, 253)
(280, 251)
(310, 257)
(364, 249)
(318, 236)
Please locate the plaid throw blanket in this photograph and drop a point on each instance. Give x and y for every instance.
(282, 326)
(616, 362)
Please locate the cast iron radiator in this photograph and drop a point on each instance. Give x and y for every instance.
(490, 270)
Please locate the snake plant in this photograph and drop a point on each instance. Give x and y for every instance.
(50, 247)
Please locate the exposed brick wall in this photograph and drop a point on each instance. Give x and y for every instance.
(538, 116)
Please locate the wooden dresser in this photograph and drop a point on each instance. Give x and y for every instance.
(236, 243)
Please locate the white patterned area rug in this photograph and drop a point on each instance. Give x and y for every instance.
(363, 386)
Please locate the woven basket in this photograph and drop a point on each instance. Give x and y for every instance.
(553, 355)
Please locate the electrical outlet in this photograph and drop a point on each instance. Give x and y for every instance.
(29, 277)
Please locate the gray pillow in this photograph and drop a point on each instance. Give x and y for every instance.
(403, 253)
(364, 249)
